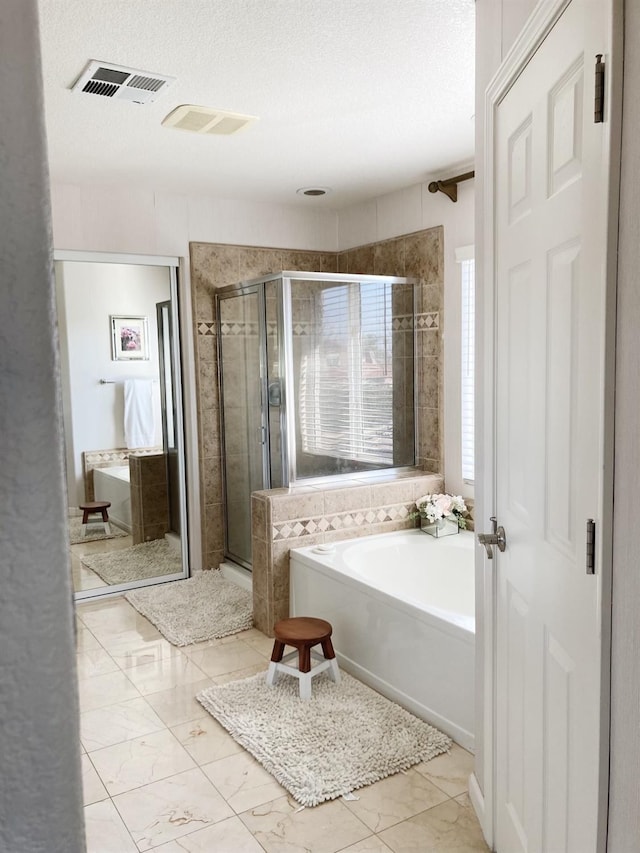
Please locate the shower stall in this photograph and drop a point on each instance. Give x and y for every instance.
(316, 382)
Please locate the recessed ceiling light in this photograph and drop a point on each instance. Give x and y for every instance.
(313, 191)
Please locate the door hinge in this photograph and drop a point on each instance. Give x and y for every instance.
(598, 101)
(591, 546)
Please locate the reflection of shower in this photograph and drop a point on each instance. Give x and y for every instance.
(317, 381)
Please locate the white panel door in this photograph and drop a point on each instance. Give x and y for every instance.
(550, 251)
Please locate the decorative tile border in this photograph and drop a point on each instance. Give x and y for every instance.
(296, 528)
(404, 323)
(303, 329)
(108, 459)
(430, 320)
(246, 328)
(114, 456)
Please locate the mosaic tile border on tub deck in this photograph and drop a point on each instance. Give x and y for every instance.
(296, 528)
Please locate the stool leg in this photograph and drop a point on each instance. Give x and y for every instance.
(276, 657)
(272, 673)
(304, 658)
(330, 655)
(305, 685)
(278, 650)
(327, 649)
(334, 672)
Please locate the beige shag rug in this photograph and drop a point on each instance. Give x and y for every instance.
(203, 607)
(345, 737)
(94, 533)
(146, 560)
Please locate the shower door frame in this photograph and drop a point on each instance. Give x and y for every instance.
(284, 323)
(233, 291)
(285, 331)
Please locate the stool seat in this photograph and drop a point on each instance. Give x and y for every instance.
(93, 508)
(303, 633)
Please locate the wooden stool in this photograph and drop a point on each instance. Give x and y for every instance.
(92, 508)
(303, 632)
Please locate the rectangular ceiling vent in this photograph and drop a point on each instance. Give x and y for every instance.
(207, 120)
(120, 83)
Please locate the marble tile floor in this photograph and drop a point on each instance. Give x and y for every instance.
(161, 774)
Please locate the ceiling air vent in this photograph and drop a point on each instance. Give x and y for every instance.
(207, 120)
(120, 83)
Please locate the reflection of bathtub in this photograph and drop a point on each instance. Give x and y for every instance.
(112, 484)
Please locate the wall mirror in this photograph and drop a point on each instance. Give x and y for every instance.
(123, 420)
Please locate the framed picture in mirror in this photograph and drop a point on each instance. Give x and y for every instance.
(129, 338)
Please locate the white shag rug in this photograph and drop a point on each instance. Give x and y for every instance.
(146, 560)
(76, 537)
(345, 737)
(203, 607)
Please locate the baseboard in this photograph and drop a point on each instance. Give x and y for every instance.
(477, 801)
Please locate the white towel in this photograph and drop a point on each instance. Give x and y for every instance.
(138, 413)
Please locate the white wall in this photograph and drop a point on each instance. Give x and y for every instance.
(120, 219)
(88, 294)
(413, 209)
(40, 783)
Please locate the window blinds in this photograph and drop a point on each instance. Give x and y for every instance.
(346, 382)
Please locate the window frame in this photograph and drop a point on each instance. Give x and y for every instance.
(465, 258)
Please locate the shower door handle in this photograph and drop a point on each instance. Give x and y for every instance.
(274, 393)
(263, 435)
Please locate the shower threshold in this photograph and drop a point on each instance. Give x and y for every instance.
(237, 574)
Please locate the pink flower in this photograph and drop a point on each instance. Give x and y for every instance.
(444, 504)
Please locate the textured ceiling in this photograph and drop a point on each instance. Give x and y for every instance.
(363, 96)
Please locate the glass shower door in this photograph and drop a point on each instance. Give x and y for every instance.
(241, 326)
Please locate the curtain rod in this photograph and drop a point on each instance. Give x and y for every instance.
(450, 186)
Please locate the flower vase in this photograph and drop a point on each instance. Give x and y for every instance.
(439, 528)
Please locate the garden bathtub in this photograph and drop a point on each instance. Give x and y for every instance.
(402, 609)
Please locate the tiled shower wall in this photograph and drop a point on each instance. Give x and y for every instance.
(418, 256)
(215, 265)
